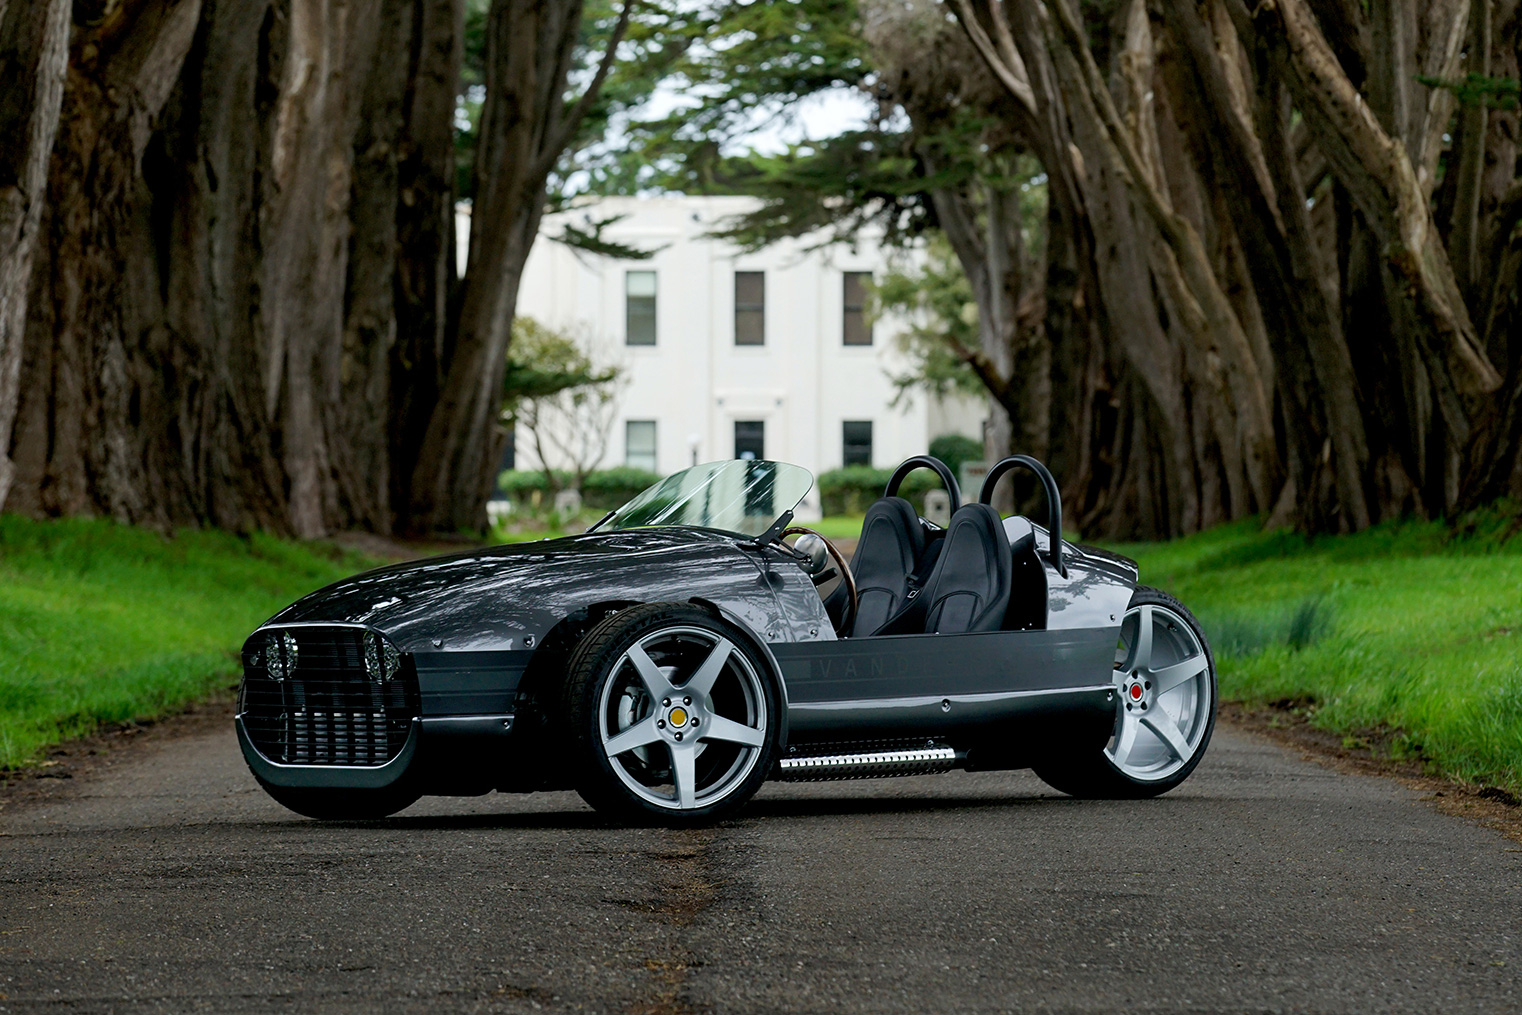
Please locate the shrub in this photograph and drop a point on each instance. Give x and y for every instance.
(604, 490)
(848, 491)
(956, 450)
(527, 488)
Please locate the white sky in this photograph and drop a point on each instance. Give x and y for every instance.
(817, 116)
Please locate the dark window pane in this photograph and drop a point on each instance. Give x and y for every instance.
(856, 442)
(856, 327)
(750, 438)
(639, 296)
(639, 444)
(750, 308)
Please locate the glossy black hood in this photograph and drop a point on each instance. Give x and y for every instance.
(493, 597)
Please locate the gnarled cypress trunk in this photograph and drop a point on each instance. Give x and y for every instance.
(33, 61)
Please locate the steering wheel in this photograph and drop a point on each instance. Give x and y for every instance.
(848, 617)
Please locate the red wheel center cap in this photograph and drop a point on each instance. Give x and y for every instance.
(1136, 691)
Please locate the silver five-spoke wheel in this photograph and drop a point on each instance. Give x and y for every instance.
(675, 714)
(659, 719)
(1164, 697)
(1163, 682)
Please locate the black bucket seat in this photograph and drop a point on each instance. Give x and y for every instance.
(969, 588)
(891, 545)
(895, 553)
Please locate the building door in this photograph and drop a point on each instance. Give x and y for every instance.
(750, 438)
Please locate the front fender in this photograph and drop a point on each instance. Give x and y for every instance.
(765, 651)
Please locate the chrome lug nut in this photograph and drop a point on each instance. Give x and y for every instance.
(665, 702)
(694, 720)
(687, 700)
(679, 736)
(660, 724)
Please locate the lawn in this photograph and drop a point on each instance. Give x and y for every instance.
(1407, 637)
(101, 623)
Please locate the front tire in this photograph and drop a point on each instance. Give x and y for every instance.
(335, 804)
(1165, 691)
(673, 716)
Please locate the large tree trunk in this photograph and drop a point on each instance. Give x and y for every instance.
(34, 49)
(525, 126)
(186, 359)
(84, 440)
(425, 218)
(1384, 186)
(1254, 170)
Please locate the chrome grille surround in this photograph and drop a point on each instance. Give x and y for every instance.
(309, 698)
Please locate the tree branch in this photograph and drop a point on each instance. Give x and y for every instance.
(1464, 237)
(557, 139)
(1004, 60)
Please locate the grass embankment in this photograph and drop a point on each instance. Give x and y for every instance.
(1406, 638)
(100, 623)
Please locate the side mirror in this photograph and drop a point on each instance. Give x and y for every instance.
(812, 547)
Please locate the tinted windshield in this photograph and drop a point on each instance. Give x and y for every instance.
(741, 496)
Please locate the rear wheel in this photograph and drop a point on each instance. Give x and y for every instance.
(673, 716)
(333, 804)
(1165, 691)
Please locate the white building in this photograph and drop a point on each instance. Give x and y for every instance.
(732, 354)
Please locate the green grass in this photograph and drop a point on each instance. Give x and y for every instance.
(837, 526)
(1408, 634)
(102, 623)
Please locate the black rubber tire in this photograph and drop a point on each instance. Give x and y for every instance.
(336, 804)
(1092, 775)
(592, 664)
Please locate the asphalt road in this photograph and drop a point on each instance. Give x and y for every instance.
(1266, 883)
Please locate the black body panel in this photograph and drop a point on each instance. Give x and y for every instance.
(498, 598)
(903, 685)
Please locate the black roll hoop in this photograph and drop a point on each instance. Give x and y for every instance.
(1053, 498)
(925, 462)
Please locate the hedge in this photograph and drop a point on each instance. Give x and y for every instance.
(604, 489)
(848, 491)
(955, 450)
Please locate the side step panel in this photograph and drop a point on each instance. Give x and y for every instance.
(869, 765)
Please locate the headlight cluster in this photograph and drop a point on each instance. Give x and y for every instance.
(381, 658)
(280, 655)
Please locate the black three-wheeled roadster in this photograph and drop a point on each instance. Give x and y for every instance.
(682, 651)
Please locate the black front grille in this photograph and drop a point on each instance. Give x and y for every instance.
(328, 710)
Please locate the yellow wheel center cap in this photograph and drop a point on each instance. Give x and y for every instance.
(678, 717)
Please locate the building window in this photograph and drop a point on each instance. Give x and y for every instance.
(856, 442)
(639, 444)
(857, 326)
(750, 308)
(750, 438)
(639, 315)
